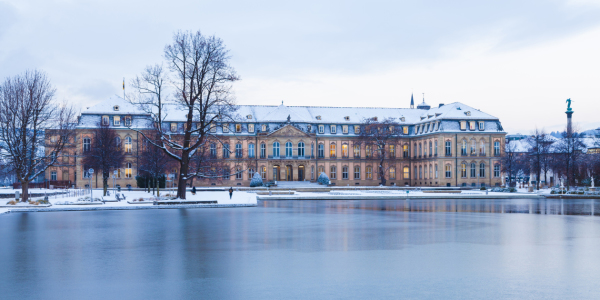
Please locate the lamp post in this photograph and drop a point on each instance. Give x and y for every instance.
(114, 187)
(91, 172)
(171, 176)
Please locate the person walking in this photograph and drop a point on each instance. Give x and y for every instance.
(230, 192)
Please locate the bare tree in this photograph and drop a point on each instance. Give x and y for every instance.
(105, 152)
(200, 79)
(540, 144)
(510, 162)
(34, 127)
(569, 151)
(380, 135)
(154, 163)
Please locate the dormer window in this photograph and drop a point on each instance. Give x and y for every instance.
(117, 121)
(375, 119)
(321, 129)
(173, 127)
(468, 113)
(318, 117)
(472, 125)
(264, 128)
(345, 129)
(225, 128)
(405, 129)
(127, 120)
(481, 126)
(347, 118)
(238, 127)
(105, 120)
(308, 127)
(332, 128)
(251, 128)
(249, 117)
(213, 127)
(116, 108)
(356, 129)
(403, 119)
(463, 125)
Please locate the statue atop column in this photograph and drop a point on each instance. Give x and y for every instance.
(569, 104)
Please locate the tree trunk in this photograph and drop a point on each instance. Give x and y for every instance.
(183, 171)
(24, 191)
(157, 188)
(104, 185)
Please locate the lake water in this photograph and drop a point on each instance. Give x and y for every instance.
(416, 249)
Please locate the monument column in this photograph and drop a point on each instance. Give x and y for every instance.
(569, 113)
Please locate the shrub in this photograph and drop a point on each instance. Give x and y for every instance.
(323, 179)
(256, 180)
(12, 202)
(512, 190)
(482, 188)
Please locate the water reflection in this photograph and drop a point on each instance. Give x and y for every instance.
(584, 207)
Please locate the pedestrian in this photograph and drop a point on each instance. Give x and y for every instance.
(194, 190)
(230, 192)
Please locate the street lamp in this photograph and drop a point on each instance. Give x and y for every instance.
(91, 172)
(114, 188)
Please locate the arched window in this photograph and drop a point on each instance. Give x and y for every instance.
(435, 152)
(448, 148)
(473, 170)
(263, 172)
(276, 149)
(251, 150)
(392, 173)
(430, 148)
(288, 149)
(420, 149)
(482, 148)
(128, 171)
(128, 144)
(463, 149)
(473, 147)
(463, 170)
(356, 150)
(369, 172)
(332, 172)
(301, 149)
(496, 148)
(356, 172)
(405, 150)
(448, 171)
(345, 172)
(87, 144)
(226, 150)
(238, 151)
(321, 151)
(213, 150)
(436, 171)
(118, 142)
(332, 150)
(263, 150)
(482, 170)
(406, 172)
(345, 150)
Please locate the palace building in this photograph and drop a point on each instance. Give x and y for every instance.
(448, 145)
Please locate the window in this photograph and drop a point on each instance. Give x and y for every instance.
(321, 150)
(53, 175)
(238, 150)
(345, 150)
(430, 148)
(238, 127)
(473, 147)
(356, 129)
(463, 170)
(251, 128)
(482, 148)
(404, 129)
(369, 172)
(263, 150)
(332, 150)
(448, 148)
(435, 152)
(128, 172)
(226, 150)
(264, 128)
(301, 149)
(213, 150)
(392, 151)
(436, 171)
(87, 144)
(497, 148)
(392, 173)
(430, 172)
(251, 150)
(127, 120)
(345, 172)
(226, 174)
(356, 172)
(473, 170)
(448, 171)
(405, 150)
(332, 129)
(356, 150)
(263, 173)
(321, 170)
(481, 125)
(65, 175)
(312, 149)
(225, 128)
(321, 129)
(496, 170)
(416, 173)
(308, 128)
(117, 121)
(213, 127)
(420, 172)
(345, 129)
(118, 142)
(238, 174)
(288, 149)
(119, 173)
(368, 151)
(332, 172)
(420, 149)
(406, 171)
(463, 149)
(482, 170)
(105, 120)
(463, 125)
(128, 144)
(276, 149)
(471, 125)
(173, 127)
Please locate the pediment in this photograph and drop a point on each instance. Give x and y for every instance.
(288, 131)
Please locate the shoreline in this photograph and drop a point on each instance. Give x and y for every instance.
(136, 207)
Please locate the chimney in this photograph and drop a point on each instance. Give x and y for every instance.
(441, 104)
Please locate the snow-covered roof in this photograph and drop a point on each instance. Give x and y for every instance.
(108, 107)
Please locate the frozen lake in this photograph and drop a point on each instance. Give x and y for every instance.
(417, 249)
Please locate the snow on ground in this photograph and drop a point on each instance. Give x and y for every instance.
(222, 197)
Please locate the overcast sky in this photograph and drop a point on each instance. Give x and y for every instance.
(517, 60)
